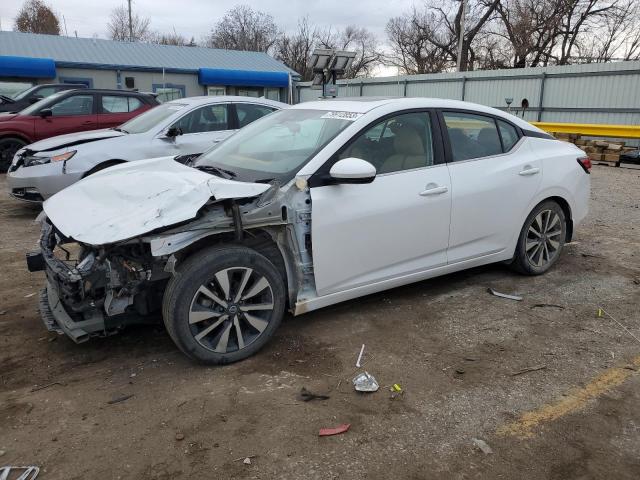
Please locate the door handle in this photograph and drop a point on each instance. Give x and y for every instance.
(529, 171)
(433, 191)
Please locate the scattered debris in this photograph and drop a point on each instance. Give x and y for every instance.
(326, 432)
(460, 371)
(630, 367)
(360, 357)
(2, 452)
(549, 305)
(482, 445)
(3, 312)
(396, 388)
(42, 387)
(179, 436)
(28, 295)
(602, 311)
(30, 473)
(365, 382)
(529, 369)
(306, 395)
(120, 399)
(244, 459)
(504, 295)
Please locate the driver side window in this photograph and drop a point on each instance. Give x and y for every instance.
(398, 143)
(210, 118)
(74, 105)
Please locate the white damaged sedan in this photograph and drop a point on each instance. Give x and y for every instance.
(307, 207)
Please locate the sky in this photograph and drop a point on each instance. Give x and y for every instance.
(196, 17)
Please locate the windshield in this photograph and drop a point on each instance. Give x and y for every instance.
(276, 146)
(24, 93)
(151, 118)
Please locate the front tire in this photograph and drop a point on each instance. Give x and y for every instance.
(224, 304)
(8, 148)
(541, 239)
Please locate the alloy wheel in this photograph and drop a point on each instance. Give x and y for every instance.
(231, 311)
(543, 238)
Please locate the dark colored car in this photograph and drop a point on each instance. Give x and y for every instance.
(69, 111)
(27, 97)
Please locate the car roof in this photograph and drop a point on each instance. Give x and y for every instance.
(206, 99)
(366, 104)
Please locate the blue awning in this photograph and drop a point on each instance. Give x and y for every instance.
(242, 78)
(27, 67)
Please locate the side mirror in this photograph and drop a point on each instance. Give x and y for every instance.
(173, 132)
(46, 112)
(352, 170)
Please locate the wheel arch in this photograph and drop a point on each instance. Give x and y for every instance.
(261, 240)
(16, 135)
(102, 165)
(566, 208)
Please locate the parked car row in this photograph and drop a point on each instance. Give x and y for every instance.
(68, 111)
(185, 127)
(306, 207)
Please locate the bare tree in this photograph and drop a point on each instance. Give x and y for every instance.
(118, 26)
(243, 28)
(410, 48)
(295, 49)
(531, 26)
(358, 39)
(172, 38)
(36, 16)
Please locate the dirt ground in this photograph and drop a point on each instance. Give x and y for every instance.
(455, 350)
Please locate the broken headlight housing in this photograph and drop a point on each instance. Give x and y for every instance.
(33, 160)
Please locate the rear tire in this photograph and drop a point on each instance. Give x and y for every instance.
(8, 148)
(541, 239)
(224, 304)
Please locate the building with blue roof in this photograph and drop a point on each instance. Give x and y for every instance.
(170, 71)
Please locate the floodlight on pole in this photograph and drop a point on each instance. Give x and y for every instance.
(326, 64)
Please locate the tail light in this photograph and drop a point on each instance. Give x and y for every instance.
(585, 163)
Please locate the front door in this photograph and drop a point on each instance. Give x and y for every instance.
(202, 128)
(494, 176)
(395, 226)
(75, 113)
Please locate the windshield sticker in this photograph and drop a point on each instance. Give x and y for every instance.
(349, 116)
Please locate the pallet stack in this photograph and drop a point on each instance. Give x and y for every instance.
(600, 152)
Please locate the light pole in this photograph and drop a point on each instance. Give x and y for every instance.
(461, 34)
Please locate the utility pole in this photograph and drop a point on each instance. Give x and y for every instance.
(461, 34)
(130, 23)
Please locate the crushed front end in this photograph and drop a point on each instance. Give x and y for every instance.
(95, 291)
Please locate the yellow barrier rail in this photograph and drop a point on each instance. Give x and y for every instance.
(591, 130)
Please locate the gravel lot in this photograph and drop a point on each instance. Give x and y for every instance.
(452, 347)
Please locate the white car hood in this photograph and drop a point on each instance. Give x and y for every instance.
(132, 199)
(71, 139)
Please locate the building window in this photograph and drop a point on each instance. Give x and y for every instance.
(88, 82)
(10, 89)
(272, 94)
(250, 92)
(169, 91)
(216, 91)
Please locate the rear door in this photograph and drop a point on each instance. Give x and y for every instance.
(494, 176)
(116, 109)
(73, 113)
(247, 113)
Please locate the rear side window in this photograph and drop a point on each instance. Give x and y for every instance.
(509, 135)
(119, 104)
(248, 113)
(472, 136)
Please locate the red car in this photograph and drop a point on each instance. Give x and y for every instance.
(68, 112)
